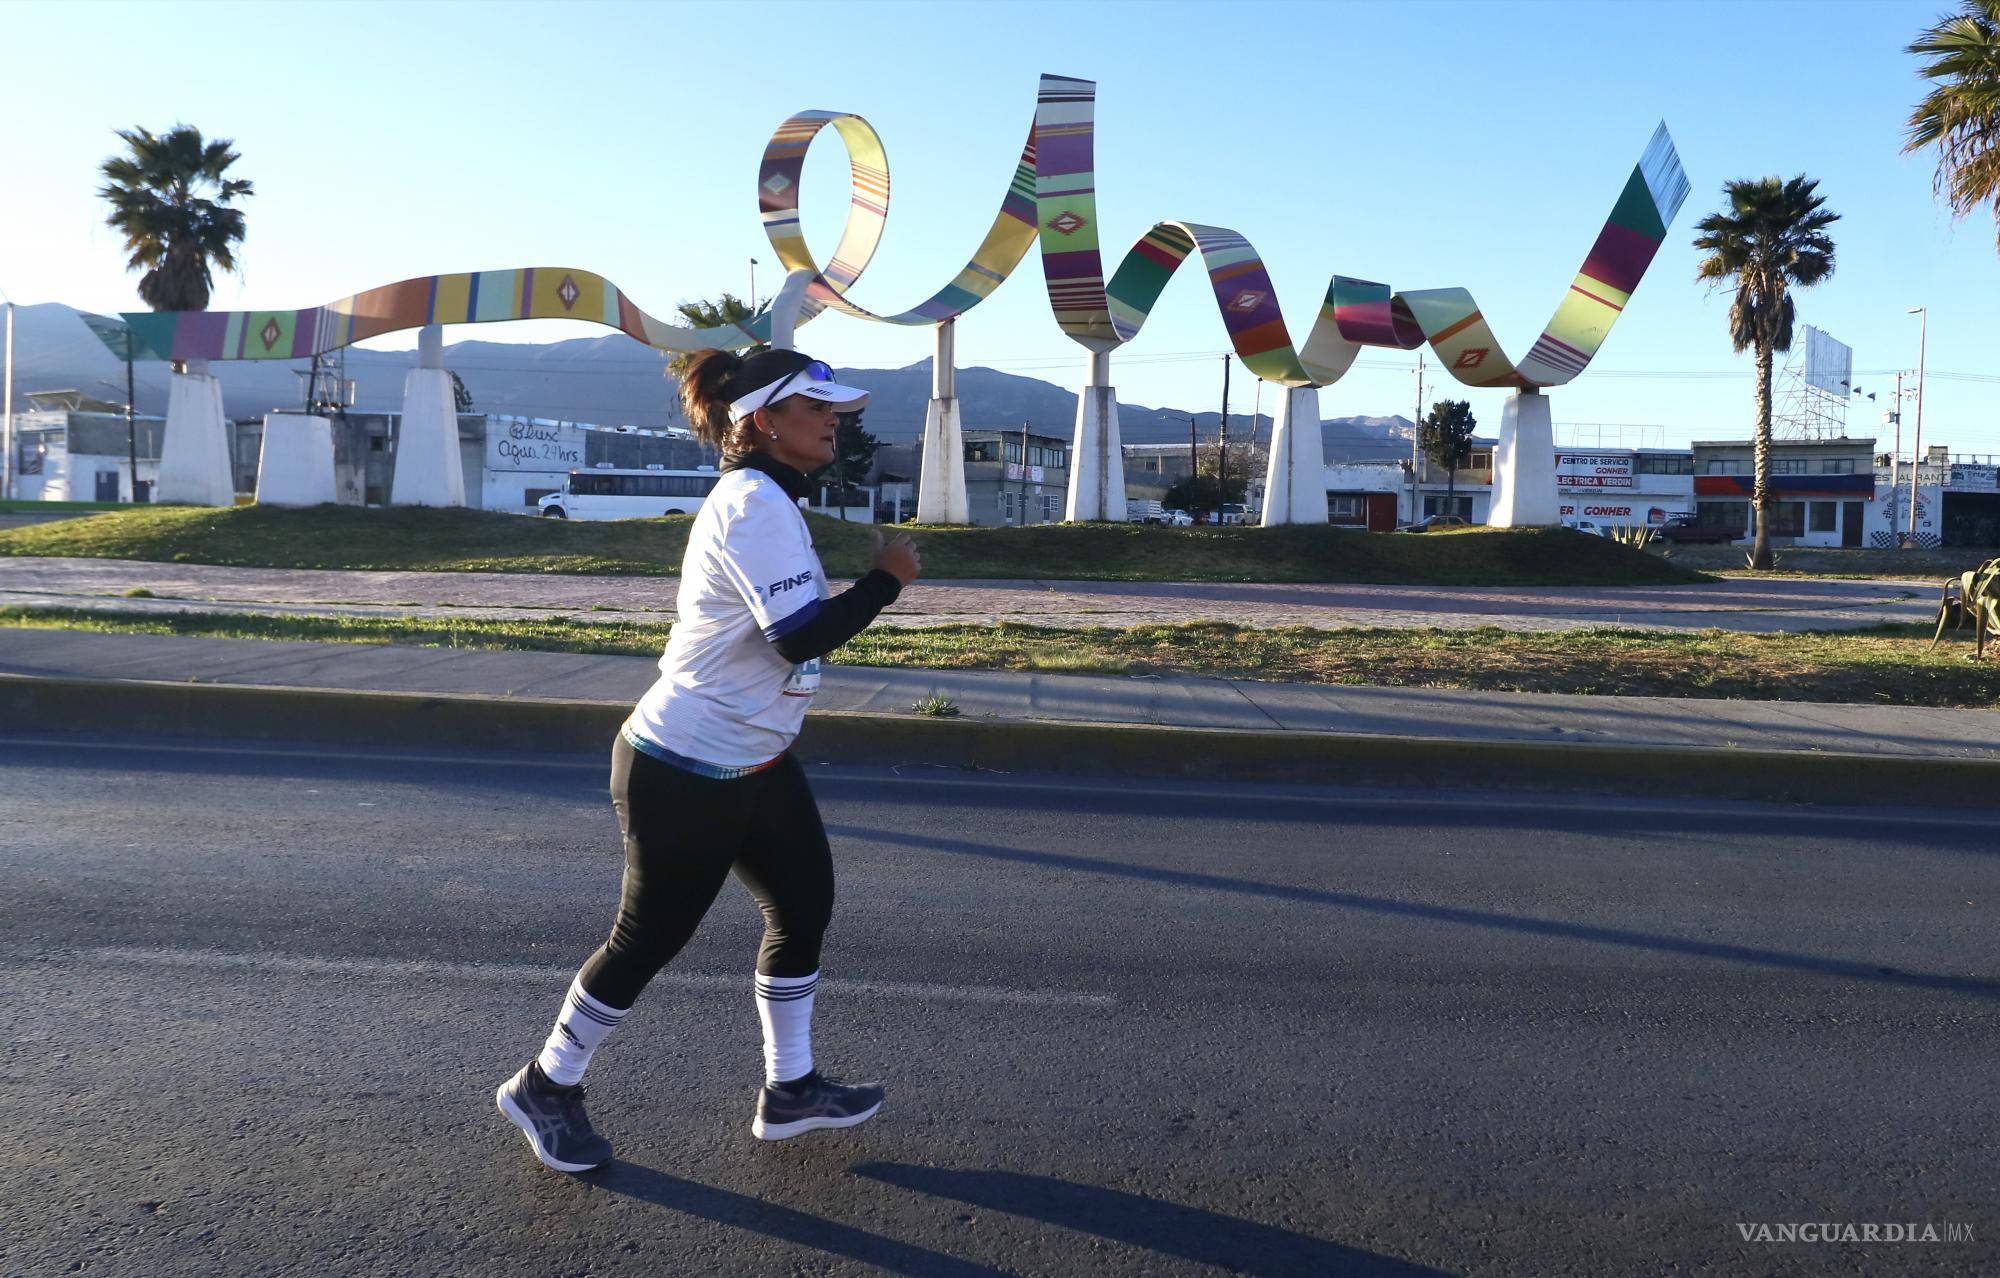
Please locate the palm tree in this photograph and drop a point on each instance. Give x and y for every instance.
(1961, 114)
(170, 199)
(1773, 239)
(727, 309)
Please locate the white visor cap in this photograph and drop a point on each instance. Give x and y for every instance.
(847, 398)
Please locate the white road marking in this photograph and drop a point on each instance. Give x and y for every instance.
(553, 977)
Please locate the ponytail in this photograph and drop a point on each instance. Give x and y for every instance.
(705, 399)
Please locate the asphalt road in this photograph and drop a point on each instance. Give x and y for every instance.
(257, 1003)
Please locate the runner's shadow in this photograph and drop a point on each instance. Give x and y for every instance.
(1558, 929)
(785, 1224)
(1188, 1233)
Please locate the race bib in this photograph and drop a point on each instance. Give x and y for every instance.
(805, 679)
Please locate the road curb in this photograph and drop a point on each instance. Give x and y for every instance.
(341, 717)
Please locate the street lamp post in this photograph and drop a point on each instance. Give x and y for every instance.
(1917, 443)
(7, 409)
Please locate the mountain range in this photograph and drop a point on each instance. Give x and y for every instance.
(615, 381)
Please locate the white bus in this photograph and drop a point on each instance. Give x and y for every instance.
(608, 493)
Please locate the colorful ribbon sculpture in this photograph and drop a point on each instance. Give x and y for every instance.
(475, 297)
(1058, 166)
(1052, 199)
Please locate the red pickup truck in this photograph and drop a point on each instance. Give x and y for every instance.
(1685, 528)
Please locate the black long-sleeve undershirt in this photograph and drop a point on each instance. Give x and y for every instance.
(840, 618)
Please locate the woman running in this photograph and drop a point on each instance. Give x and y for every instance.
(700, 774)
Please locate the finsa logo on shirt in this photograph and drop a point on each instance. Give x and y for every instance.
(777, 588)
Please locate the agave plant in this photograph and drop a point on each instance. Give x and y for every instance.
(1977, 601)
(1637, 536)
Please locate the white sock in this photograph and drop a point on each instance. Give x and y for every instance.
(785, 1006)
(582, 1024)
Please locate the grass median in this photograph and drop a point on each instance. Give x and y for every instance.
(1889, 665)
(1867, 563)
(409, 539)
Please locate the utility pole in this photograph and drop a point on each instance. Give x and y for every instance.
(1896, 458)
(1222, 446)
(312, 383)
(1024, 475)
(1917, 442)
(131, 420)
(1416, 447)
(753, 286)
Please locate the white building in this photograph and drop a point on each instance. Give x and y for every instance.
(1623, 486)
(83, 453)
(1602, 486)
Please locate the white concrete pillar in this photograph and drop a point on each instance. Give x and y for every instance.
(194, 448)
(428, 470)
(1295, 476)
(295, 467)
(786, 306)
(1524, 465)
(941, 490)
(1097, 457)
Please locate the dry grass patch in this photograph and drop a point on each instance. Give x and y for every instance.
(1891, 665)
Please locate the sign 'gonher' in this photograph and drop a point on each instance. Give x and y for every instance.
(1050, 200)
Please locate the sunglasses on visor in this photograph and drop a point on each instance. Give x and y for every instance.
(816, 371)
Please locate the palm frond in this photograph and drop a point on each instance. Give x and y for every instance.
(1960, 116)
(170, 199)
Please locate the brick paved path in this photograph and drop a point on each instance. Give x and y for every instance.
(1744, 605)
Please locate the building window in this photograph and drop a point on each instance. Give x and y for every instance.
(1434, 504)
(1724, 514)
(1343, 506)
(376, 443)
(1788, 519)
(1481, 460)
(1653, 464)
(1837, 466)
(1822, 516)
(981, 452)
(1788, 465)
(1726, 466)
(1007, 506)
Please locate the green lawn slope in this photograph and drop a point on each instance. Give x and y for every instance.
(418, 539)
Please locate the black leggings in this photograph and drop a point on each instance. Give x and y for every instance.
(683, 834)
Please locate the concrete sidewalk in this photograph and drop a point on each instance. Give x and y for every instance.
(1231, 704)
(389, 696)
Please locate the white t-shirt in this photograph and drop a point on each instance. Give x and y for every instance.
(725, 697)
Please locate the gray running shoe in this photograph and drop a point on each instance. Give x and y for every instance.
(813, 1102)
(553, 1118)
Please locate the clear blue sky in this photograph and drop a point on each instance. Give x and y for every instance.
(1423, 144)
